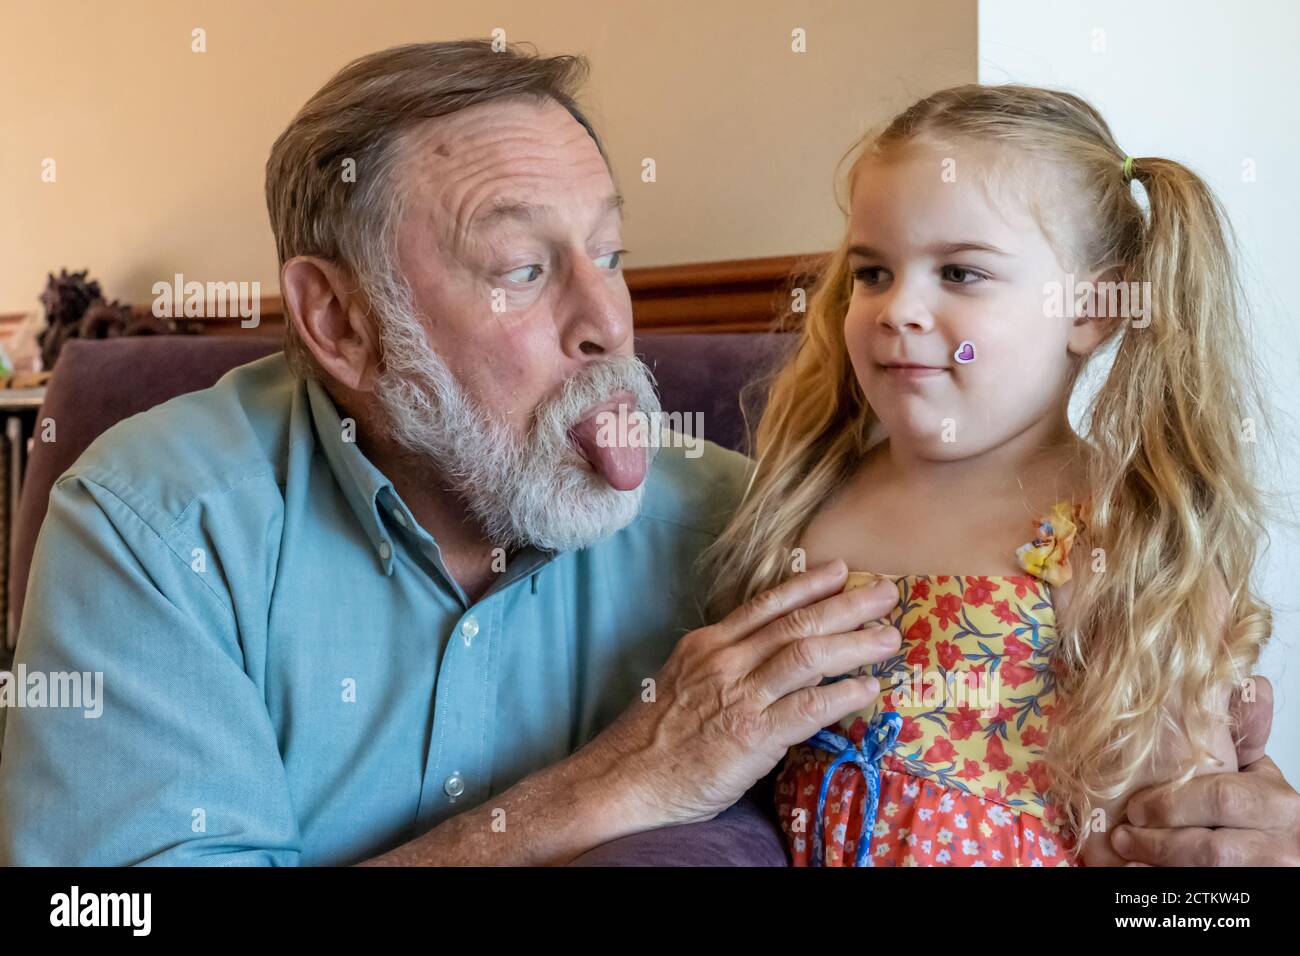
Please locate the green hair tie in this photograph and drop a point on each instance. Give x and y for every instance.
(1128, 168)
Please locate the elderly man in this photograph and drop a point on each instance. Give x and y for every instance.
(384, 598)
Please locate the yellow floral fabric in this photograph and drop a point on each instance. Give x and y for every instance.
(975, 686)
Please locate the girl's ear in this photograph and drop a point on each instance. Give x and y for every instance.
(1109, 305)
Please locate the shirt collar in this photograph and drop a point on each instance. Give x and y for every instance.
(367, 491)
(362, 483)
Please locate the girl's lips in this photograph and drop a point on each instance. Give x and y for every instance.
(913, 371)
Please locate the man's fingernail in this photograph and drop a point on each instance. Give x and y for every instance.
(1122, 841)
(1137, 814)
(872, 685)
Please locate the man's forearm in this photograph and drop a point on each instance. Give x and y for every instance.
(546, 819)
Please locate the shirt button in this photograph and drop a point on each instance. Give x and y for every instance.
(454, 785)
(469, 627)
(384, 550)
(399, 518)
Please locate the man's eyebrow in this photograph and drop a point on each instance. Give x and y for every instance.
(518, 210)
(939, 249)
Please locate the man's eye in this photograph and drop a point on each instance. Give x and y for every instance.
(960, 275)
(525, 274)
(869, 275)
(611, 260)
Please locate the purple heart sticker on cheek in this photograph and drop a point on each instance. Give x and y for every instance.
(965, 353)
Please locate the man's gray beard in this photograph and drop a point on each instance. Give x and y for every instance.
(531, 491)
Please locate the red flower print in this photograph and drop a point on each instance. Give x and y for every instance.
(1024, 585)
(993, 793)
(910, 731)
(1033, 737)
(1005, 713)
(979, 591)
(1013, 675)
(857, 730)
(1041, 776)
(945, 609)
(996, 757)
(919, 631)
(949, 654)
(941, 751)
(1017, 649)
(970, 770)
(919, 654)
(942, 579)
(1003, 610)
(1016, 782)
(920, 590)
(964, 723)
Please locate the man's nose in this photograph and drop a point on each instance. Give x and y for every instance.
(596, 313)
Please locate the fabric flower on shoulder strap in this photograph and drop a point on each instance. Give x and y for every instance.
(1048, 555)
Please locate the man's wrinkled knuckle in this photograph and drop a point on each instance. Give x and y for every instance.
(693, 642)
(811, 709)
(805, 656)
(800, 623)
(742, 726)
(1227, 801)
(1220, 850)
(723, 665)
(765, 603)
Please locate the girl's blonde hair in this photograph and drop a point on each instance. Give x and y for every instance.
(1174, 512)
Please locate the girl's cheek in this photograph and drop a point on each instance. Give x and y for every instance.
(857, 341)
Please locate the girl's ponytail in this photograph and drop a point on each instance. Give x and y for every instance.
(1167, 620)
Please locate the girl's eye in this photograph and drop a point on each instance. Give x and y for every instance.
(868, 275)
(960, 275)
(525, 274)
(611, 260)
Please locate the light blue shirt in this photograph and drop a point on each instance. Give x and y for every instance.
(290, 675)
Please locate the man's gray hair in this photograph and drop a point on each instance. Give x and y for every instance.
(362, 114)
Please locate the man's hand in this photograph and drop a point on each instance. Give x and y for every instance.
(1250, 818)
(734, 697)
(729, 702)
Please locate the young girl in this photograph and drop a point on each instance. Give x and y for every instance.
(1075, 608)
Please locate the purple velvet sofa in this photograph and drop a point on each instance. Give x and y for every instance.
(98, 383)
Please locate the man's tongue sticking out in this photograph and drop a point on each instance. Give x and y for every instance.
(621, 463)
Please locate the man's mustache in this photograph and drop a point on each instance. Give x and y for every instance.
(591, 385)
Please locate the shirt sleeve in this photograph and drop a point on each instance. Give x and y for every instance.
(171, 757)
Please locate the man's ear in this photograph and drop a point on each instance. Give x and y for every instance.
(329, 311)
(1089, 331)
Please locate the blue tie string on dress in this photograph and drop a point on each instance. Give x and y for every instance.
(879, 740)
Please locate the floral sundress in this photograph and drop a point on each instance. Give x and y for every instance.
(947, 768)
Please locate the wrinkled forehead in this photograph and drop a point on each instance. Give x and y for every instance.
(517, 150)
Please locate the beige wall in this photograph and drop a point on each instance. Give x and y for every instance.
(160, 151)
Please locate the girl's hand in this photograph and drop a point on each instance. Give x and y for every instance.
(1249, 818)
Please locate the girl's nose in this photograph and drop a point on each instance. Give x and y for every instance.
(905, 312)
